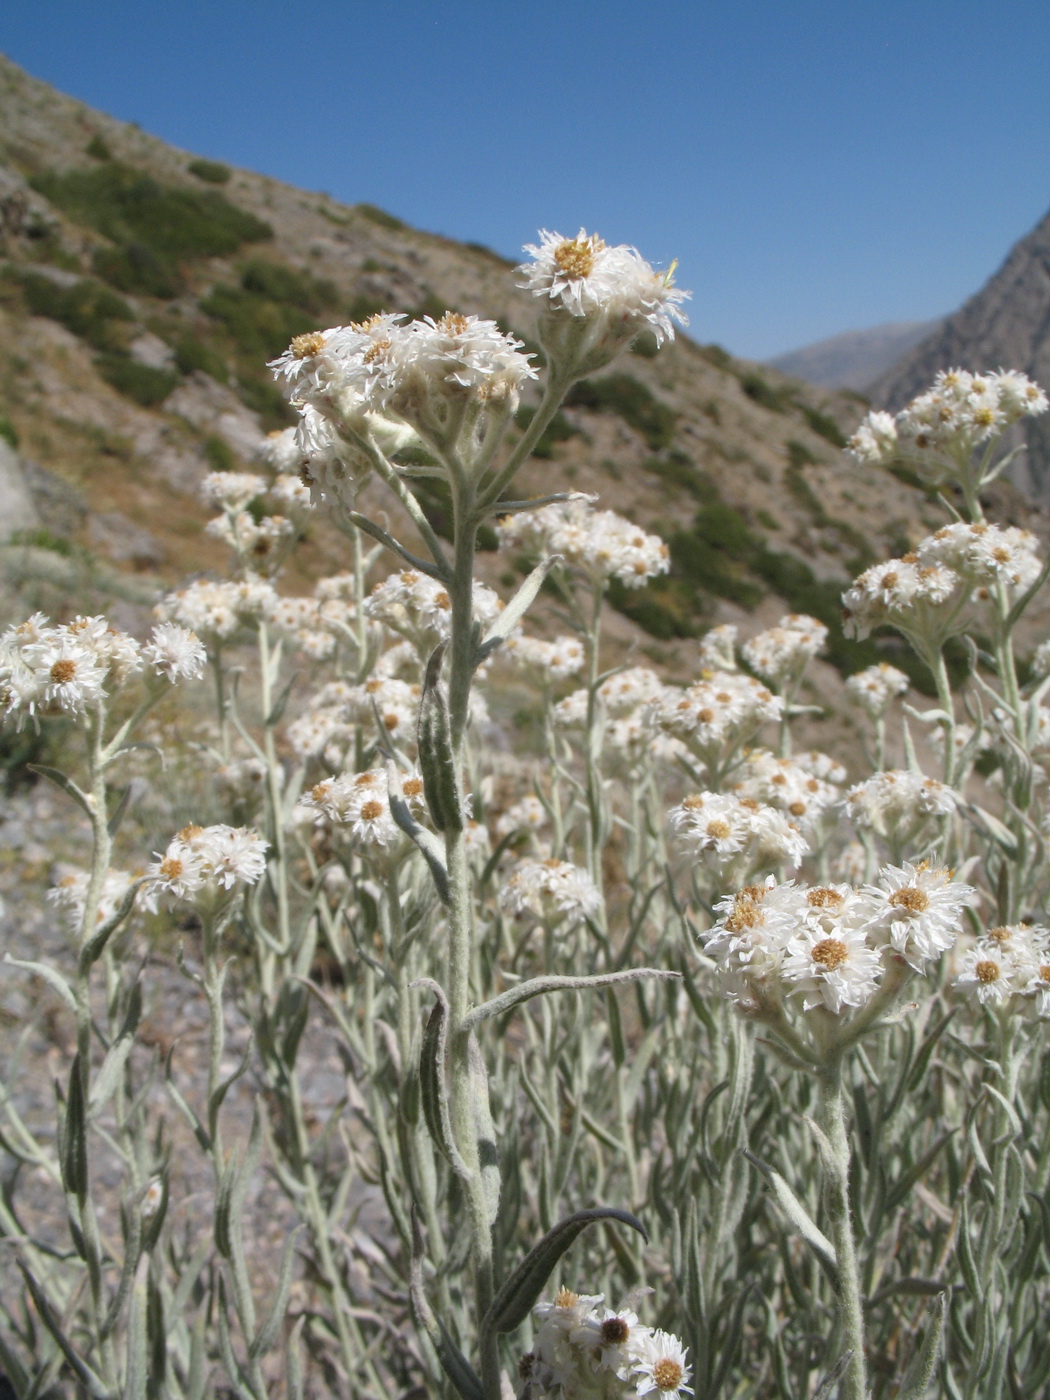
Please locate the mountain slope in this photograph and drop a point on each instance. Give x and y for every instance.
(854, 358)
(1006, 324)
(142, 291)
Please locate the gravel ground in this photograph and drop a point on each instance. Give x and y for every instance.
(36, 1051)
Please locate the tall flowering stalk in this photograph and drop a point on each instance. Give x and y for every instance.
(452, 385)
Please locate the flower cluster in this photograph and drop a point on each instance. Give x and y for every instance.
(544, 662)
(780, 654)
(922, 600)
(203, 865)
(738, 834)
(599, 544)
(959, 412)
(830, 946)
(898, 804)
(986, 556)
(875, 688)
(803, 787)
(597, 298)
(419, 608)
(70, 668)
(717, 714)
(590, 1352)
(551, 892)
(356, 806)
(1010, 967)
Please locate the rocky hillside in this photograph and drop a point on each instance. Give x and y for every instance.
(142, 291)
(1006, 325)
(854, 359)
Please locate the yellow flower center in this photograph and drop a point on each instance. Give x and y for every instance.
(830, 953)
(910, 898)
(667, 1374)
(63, 671)
(303, 347)
(987, 971)
(575, 256)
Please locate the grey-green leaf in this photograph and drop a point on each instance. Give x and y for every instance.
(432, 1088)
(515, 1299)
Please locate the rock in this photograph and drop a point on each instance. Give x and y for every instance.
(60, 507)
(148, 349)
(124, 541)
(17, 509)
(212, 408)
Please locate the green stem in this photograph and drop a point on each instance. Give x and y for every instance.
(849, 1305)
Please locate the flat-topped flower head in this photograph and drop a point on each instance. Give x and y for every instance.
(875, 688)
(205, 865)
(610, 292)
(875, 442)
(917, 911)
(922, 600)
(780, 654)
(551, 892)
(899, 804)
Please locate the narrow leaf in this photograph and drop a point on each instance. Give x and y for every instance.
(515, 609)
(54, 979)
(121, 808)
(74, 1136)
(434, 741)
(67, 785)
(515, 1299)
(454, 1364)
(433, 1092)
(797, 1214)
(540, 986)
(267, 1333)
(920, 1372)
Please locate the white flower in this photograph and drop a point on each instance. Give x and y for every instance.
(357, 805)
(897, 804)
(585, 277)
(70, 893)
(780, 654)
(985, 555)
(545, 662)
(788, 784)
(717, 648)
(527, 815)
(737, 834)
(828, 961)
(717, 714)
(1009, 962)
(920, 600)
(231, 491)
(175, 652)
(551, 891)
(875, 687)
(70, 676)
(917, 911)
(419, 608)
(597, 543)
(658, 1364)
(875, 441)
(750, 939)
(202, 861)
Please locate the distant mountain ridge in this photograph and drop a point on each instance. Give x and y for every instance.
(1004, 325)
(143, 289)
(854, 359)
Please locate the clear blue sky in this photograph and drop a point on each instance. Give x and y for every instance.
(815, 166)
